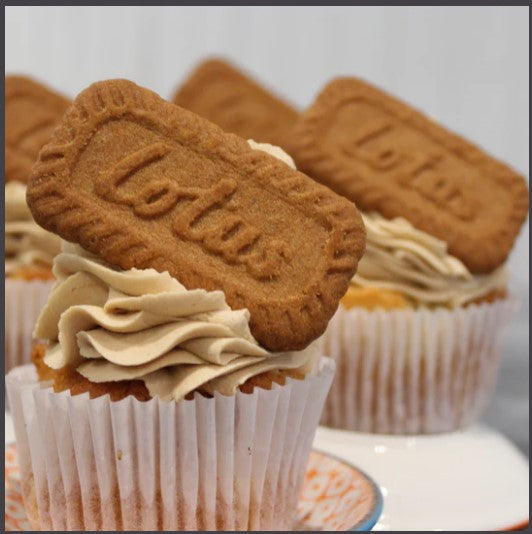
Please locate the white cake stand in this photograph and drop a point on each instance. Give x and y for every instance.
(474, 479)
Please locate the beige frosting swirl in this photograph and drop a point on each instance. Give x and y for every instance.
(273, 150)
(26, 243)
(144, 325)
(400, 257)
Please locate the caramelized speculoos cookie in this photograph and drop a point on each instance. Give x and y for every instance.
(144, 183)
(385, 156)
(221, 93)
(31, 113)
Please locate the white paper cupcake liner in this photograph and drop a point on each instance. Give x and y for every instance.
(225, 463)
(413, 371)
(23, 303)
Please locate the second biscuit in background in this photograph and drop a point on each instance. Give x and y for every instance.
(230, 98)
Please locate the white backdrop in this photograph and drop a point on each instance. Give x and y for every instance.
(465, 66)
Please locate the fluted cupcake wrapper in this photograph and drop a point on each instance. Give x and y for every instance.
(24, 301)
(413, 371)
(230, 463)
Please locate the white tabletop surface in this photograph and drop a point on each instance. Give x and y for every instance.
(470, 480)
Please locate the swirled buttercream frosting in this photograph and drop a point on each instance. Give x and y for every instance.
(114, 325)
(26, 243)
(401, 258)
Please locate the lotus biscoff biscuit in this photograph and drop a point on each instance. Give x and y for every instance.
(387, 157)
(226, 96)
(31, 113)
(144, 183)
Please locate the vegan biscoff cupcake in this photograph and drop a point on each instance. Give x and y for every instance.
(417, 336)
(31, 113)
(173, 392)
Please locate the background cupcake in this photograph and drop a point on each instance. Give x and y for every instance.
(31, 113)
(417, 337)
(154, 406)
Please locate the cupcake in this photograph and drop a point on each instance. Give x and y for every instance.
(159, 403)
(417, 337)
(32, 111)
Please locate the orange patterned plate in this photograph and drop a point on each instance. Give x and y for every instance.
(335, 496)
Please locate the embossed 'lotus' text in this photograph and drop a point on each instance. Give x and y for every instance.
(232, 238)
(393, 149)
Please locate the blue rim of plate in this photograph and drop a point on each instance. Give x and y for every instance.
(371, 518)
